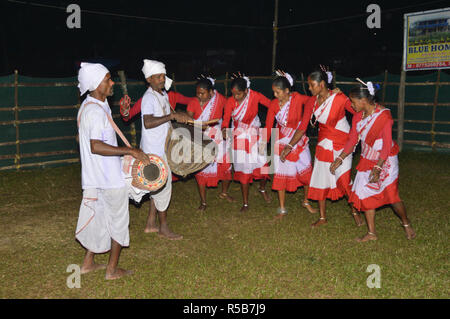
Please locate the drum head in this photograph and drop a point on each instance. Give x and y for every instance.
(150, 177)
(151, 172)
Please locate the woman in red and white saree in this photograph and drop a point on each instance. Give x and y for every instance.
(248, 163)
(209, 106)
(329, 111)
(376, 181)
(292, 158)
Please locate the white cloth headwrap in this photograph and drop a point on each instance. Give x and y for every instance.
(152, 67)
(287, 76)
(330, 76)
(90, 76)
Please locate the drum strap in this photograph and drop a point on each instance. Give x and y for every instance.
(169, 133)
(127, 158)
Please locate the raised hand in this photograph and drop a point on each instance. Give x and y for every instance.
(125, 106)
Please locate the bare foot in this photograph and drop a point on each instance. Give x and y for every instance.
(151, 229)
(202, 207)
(244, 208)
(366, 237)
(280, 216)
(320, 222)
(227, 197)
(410, 233)
(166, 233)
(358, 220)
(265, 195)
(118, 273)
(308, 206)
(90, 268)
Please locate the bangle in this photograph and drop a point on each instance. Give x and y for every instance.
(376, 166)
(340, 158)
(290, 145)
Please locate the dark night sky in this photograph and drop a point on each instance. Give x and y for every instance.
(36, 41)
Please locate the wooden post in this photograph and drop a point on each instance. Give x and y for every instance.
(383, 96)
(334, 79)
(436, 96)
(275, 34)
(174, 83)
(123, 85)
(401, 109)
(226, 84)
(303, 84)
(16, 118)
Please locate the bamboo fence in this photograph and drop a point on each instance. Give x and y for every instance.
(18, 155)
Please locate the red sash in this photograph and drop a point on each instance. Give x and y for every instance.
(338, 137)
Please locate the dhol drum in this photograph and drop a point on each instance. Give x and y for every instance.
(149, 177)
(188, 150)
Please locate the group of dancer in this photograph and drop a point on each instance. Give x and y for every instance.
(242, 149)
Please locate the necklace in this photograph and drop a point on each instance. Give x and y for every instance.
(314, 110)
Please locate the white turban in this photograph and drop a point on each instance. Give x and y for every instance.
(152, 67)
(90, 76)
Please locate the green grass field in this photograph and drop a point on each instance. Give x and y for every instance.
(225, 254)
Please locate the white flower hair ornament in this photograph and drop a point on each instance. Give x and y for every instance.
(286, 75)
(369, 85)
(247, 80)
(213, 81)
(330, 76)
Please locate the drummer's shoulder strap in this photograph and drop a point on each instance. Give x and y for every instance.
(111, 121)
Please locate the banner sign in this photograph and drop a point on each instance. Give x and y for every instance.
(427, 40)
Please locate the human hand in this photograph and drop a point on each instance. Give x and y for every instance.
(262, 147)
(139, 155)
(286, 150)
(374, 176)
(125, 106)
(336, 90)
(181, 117)
(337, 162)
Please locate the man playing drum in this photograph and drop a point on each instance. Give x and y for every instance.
(156, 115)
(104, 216)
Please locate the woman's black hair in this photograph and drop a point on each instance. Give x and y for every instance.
(205, 83)
(361, 92)
(239, 83)
(282, 82)
(319, 76)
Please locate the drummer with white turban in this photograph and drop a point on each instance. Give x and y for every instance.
(104, 216)
(156, 113)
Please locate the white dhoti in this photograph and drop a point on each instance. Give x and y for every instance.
(103, 216)
(162, 196)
